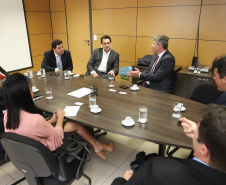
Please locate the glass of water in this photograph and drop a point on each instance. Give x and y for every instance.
(29, 73)
(143, 112)
(92, 100)
(49, 93)
(43, 72)
(177, 106)
(111, 81)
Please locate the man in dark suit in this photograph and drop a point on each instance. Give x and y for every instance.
(104, 62)
(159, 74)
(208, 167)
(219, 67)
(57, 59)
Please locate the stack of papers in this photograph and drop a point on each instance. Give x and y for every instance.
(80, 92)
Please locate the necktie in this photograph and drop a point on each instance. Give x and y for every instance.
(59, 63)
(153, 67)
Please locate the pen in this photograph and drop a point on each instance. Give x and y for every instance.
(91, 86)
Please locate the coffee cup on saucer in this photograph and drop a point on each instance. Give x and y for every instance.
(34, 89)
(38, 73)
(128, 121)
(134, 87)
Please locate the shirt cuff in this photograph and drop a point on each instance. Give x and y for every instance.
(93, 72)
(56, 70)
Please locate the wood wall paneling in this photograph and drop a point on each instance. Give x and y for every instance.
(212, 2)
(175, 22)
(57, 5)
(34, 5)
(101, 4)
(38, 22)
(144, 3)
(40, 43)
(212, 23)
(209, 50)
(143, 47)
(58, 22)
(63, 37)
(115, 21)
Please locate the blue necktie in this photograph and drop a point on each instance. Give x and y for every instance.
(60, 63)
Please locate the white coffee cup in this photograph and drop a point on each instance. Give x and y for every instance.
(33, 88)
(25, 74)
(134, 86)
(38, 73)
(128, 119)
(29, 73)
(95, 108)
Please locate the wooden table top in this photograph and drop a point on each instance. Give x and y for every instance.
(161, 127)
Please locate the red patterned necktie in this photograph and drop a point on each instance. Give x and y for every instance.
(153, 67)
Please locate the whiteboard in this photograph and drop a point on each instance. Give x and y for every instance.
(14, 42)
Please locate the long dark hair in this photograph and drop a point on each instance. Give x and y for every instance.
(17, 96)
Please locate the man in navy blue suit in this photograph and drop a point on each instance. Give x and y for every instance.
(219, 67)
(57, 59)
(159, 74)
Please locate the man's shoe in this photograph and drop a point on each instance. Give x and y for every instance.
(140, 155)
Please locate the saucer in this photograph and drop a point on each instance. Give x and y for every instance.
(66, 78)
(183, 109)
(111, 85)
(97, 111)
(50, 98)
(128, 124)
(134, 89)
(38, 74)
(71, 74)
(42, 76)
(36, 90)
(142, 122)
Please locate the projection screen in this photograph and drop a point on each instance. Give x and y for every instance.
(14, 43)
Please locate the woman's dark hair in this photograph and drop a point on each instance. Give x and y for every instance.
(17, 96)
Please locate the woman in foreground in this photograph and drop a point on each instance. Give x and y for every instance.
(24, 118)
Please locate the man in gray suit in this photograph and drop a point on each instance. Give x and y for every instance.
(104, 62)
(159, 74)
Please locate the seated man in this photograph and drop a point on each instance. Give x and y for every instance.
(104, 61)
(207, 167)
(159, 74)
(219, 67)
(57, 59)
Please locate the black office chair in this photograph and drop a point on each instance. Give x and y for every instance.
(37, 162)
(204, 93)
(175, 80)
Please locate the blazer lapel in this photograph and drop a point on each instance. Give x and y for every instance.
(160, 61)
(99, 58)
(152, 62)
(53, 59)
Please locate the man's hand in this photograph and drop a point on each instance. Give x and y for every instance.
(189, 127)
(95, 75)
(111, 73)
(128, 174)
(134, 74)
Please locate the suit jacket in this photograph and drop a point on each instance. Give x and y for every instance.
(222, 99)
(161, 77)
(174, 171)
(49, 61)
(95, 60)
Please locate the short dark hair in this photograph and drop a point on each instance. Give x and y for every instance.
(162, 39)
(105, 37)
(220, 64)
(56, 42)
(17, 96)
(212, 132)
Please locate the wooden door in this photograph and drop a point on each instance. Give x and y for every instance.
(78, 32)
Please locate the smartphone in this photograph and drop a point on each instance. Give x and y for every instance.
(81, 76)
(123, 87)
(179, 123)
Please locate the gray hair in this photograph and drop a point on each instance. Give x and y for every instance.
(162, 39)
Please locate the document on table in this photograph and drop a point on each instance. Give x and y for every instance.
(80, 92)
(71, 110)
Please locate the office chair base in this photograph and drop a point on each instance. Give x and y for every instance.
(17, 182)
(87, 177)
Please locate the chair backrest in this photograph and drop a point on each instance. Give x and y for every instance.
(29, 156)
(205, 93)
(174, 83)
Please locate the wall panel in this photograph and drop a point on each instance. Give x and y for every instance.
(57, 5)
(100, 4)
(145, 3)
(58, 22)
(34, 5)
(115, 21)
(38, 22)
(176, 22)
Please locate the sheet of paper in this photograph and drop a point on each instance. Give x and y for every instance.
(79, 103)
(71, 110)
(122, 92)
(112, 90)
(80, 92)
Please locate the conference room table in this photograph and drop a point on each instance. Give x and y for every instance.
(161, 128)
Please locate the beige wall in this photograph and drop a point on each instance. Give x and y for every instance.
(132, 24)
